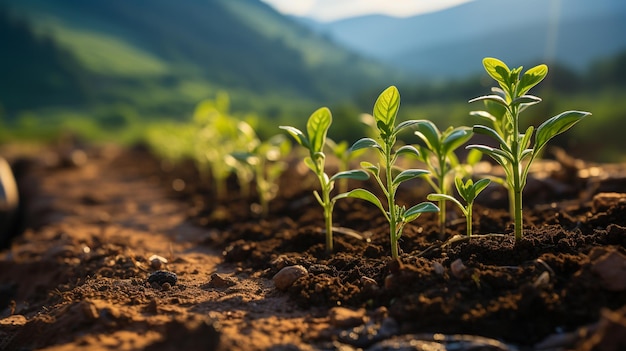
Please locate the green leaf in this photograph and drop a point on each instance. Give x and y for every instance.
(370, 167)
(428, 132)
(444, 197)
(367, 196)
(409, 174)
(404, 125)
(491, 98)
(456, 138)
(480, 129)
(531, 78)
(480, 185)
(497, 70)
(408, 150)
(365, 143)
(355, 174)
(473, 157)
(500, 156)
(317, 128)
(308, 161)
(483, 114)
(557, 125)
(415, 211)
(386, 107)
(525, 141)
(298, 135)
(526, 100)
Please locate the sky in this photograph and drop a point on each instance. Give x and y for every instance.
(330, 10)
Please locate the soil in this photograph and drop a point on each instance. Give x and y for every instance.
(119, 251)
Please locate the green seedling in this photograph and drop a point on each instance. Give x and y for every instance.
(264, 159)
(315, 139)
(385, 111)
(468, 192)
(516, 151)
(214, 142)
(437, 152)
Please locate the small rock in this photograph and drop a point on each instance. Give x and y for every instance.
(458, 268)
(288, 275)
(161, 277)
(368, 283)
(438, 268)
(342, 317)
(166, 286)
(157, 262)
(612, 270)
(220, 281)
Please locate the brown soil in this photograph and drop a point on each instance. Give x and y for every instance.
(81, 276)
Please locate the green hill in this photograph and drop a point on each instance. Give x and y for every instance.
(160, 57)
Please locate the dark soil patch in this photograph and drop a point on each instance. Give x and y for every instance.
(78, 277)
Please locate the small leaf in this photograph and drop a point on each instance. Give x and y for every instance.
(526, 100)
(497, 69)
(409, 174)
(298, 135)
(491, 98)
(500, 156)
(317, 128)
(557, 125)
(483, 114)
(370, 167)
(367, 196)
(404, 125)
(456, 138)
(444, 197)
(365, 143)
(480, 185)
(479, 129)
(473, 157)
(312, 165)
(386, 107)
(531, 78)
(430, 135)
(415, 211)
(355, 174)
(408, 150)
(525, 141)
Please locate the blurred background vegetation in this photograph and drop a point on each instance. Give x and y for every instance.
(109, 70)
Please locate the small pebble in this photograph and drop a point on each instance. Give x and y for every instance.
(438, 268)
(166, 286)
(288, 275)
(368, 283)
(157, 262)
(161, 277)
(458, 268)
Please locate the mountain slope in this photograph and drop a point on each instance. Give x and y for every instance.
(449, 42)
(153, 45)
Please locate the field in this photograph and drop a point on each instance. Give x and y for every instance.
(78, 278)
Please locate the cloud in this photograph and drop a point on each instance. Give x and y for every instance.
(329, 10)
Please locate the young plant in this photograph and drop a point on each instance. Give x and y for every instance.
(315, 139)
(385, 111)
(468, 192)
(516, 151)
(264, 160)
(437, 152)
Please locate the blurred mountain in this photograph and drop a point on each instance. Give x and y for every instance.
(166, 53)
(452, 42)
